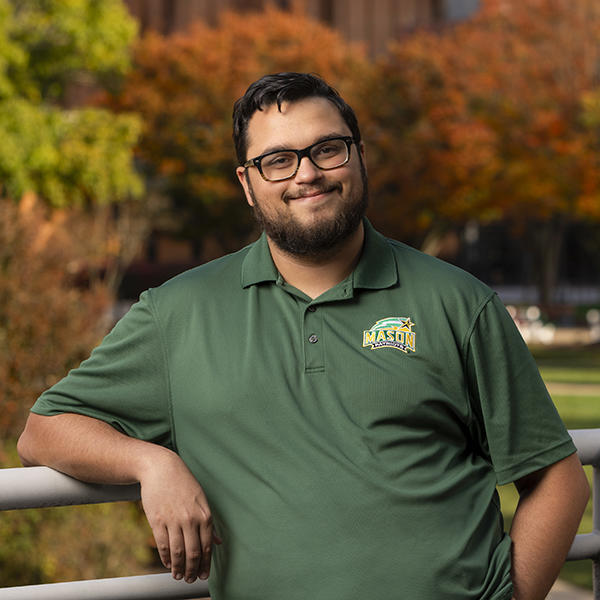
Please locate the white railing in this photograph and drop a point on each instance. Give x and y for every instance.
(40, 487)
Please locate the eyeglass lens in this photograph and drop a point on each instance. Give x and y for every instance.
(326, 155)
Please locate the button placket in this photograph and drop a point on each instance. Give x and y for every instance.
(313, 340)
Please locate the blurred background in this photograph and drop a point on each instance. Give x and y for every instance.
(481, 120)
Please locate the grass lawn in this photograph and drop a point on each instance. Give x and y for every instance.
(568, 366)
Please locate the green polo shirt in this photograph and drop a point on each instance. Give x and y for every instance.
(350, 446)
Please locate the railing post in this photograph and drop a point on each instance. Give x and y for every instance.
(596, 528)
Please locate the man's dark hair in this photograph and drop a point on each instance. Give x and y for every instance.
(279, 88)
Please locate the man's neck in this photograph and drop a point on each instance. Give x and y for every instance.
(316, 275)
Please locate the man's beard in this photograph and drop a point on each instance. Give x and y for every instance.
(320, 239)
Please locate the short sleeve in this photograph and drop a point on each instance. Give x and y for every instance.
(518, 423)
(124, 381)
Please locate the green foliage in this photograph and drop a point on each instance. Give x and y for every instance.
(94, 146)
(73, 157)
(65, 40)
(51, 54)
(591, 110)
(12, 56)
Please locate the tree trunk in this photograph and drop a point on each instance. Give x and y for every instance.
(548, 238)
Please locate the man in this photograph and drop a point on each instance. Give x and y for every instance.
(347, 403)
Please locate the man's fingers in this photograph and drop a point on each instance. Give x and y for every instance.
(187, 552)
(177, 550)
(161, 537)
(197, 539)
(206, 538)
(193, 554)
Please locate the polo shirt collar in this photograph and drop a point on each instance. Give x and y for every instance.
(376, 268)
(258, 266)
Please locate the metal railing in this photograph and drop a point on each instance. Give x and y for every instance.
(587, 545)
(40, 487)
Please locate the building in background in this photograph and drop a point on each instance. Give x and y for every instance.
(372, 22)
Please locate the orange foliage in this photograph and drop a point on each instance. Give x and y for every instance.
(489, 123)
(184, 86)
(50, 317)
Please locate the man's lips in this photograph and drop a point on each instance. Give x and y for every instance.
(312, 193)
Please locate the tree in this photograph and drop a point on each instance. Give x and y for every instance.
(56, 294)
(67, 226)
(496, 123)
(68, 156)
(184, 86)
(61, 169)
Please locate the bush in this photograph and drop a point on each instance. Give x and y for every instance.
(58, 273)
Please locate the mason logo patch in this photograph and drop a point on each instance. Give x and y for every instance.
(391, 332)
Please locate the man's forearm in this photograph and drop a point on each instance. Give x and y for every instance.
(86, 448)
(545, 522)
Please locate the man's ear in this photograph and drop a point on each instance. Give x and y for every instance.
(242, 175)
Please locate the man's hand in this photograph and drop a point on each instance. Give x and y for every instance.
(180, 518)
(174, 502)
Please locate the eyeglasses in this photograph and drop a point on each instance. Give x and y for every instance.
(283, 164)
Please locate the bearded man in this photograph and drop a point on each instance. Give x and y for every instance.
(326, 413)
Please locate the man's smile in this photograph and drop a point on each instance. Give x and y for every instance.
(311, 194)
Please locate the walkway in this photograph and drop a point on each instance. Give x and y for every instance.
(573, 389)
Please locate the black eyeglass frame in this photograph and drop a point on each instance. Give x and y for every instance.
(256, 161)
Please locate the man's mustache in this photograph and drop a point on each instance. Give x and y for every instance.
(304, 192)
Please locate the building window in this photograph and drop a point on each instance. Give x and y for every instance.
(326, 10)
(457, 10)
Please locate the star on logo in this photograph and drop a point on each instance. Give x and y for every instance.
(405, 323)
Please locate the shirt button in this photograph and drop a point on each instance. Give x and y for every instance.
(311, 308)
(313, 339)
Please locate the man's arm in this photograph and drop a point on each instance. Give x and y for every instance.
(174, 502)
(552, 501)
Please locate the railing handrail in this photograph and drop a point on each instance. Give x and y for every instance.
(40, 487)
(588, 445)
(160, 586)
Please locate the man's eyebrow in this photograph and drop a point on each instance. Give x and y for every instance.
(283, 147)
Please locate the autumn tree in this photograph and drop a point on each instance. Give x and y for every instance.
(185, 85)
(49, 321)
(64, 168)
(76, 161)
(493, 119)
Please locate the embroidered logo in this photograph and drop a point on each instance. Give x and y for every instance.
(391, 332)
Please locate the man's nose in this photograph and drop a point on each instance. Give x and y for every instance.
(307, 171)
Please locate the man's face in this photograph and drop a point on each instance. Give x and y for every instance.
(314, 211)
